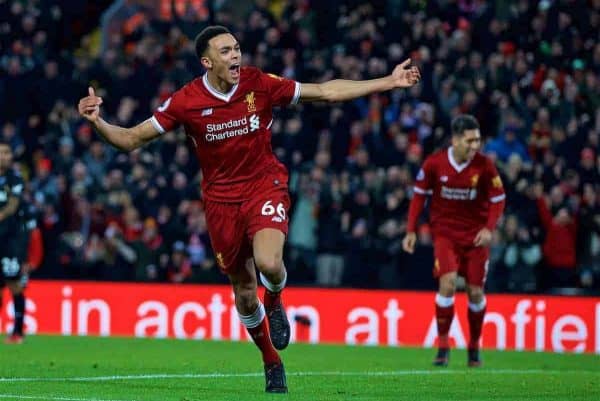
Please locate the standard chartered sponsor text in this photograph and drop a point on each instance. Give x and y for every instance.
(458, 193)
(220, 131)
(226, 134)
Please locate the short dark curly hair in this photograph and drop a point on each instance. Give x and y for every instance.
(206, 35)
(462, 123)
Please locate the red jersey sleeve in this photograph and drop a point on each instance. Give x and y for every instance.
(495, 193)
(493, 183)
(423, 187)
(282, 91)
(425, 178)
(169, 115)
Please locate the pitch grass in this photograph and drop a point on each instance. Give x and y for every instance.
(63, 369)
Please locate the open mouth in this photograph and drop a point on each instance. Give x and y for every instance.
(234, 70)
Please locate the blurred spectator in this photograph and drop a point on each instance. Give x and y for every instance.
(539, 141)
(132, 224)
(589, 169)
(588, 238)
(359, 264)
(388, 244)
(418, 267)
(559, 248)
(519, 256)
(44, 184)
(12, 137)
(178, 266)
(149, 249)
(506, 145)
(117, 255)
(198, 247)
(302, 242)
(330, 258)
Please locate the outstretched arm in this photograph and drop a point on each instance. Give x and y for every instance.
(415, 208)
(122, 138)
(339, 90)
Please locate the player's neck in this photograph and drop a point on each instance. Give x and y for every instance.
(457, 157)
(218, 84)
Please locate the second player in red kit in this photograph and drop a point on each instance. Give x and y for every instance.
(466, 201)
(227, 114)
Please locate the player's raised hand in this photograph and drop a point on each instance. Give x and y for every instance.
(405, 75)
(89, 106)
(483, 237)
(409, 241)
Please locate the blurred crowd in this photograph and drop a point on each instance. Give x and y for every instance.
(528, 70)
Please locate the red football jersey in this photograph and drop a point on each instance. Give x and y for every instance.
(460, 194)
(231, 132)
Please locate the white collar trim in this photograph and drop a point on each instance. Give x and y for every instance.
(223, 96)
(453, 163)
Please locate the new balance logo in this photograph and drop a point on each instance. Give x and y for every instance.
(277, 219)
(254, 122)
(165, 105)
(206, 112)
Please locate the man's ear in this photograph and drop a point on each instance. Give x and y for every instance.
(206, 63)
(454, 140)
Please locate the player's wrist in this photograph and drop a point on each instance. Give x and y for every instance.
(390, 82)
(96, 122)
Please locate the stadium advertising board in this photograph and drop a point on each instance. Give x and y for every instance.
(393, 318)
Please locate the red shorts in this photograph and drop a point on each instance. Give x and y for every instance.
(471, 262)
(231, 226)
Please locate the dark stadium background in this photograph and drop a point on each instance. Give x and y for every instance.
(528, 70)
